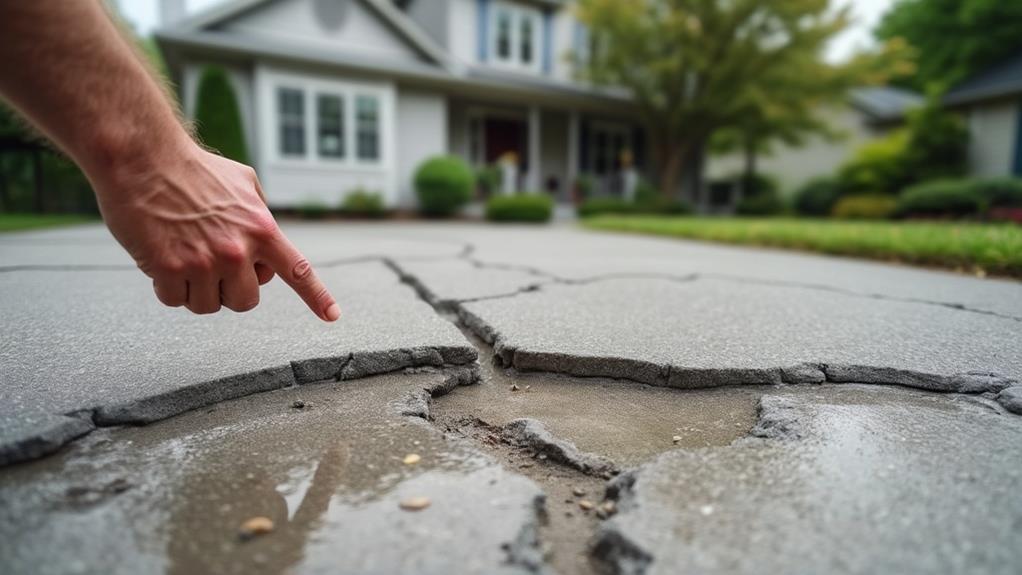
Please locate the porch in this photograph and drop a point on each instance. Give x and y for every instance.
(566, 153)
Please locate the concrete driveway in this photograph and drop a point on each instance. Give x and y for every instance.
(574, 402)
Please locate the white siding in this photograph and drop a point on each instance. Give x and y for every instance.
(564, 25)
(462, 30)
(992, 134)
(433, 17)
(422, 120)
(290, 182)
(794, 166)
(296, 21)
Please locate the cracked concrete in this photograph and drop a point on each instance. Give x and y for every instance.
(87, 346)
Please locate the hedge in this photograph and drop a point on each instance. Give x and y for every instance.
(444, 184)
(535, 208)
(865, 207)
(217, 117)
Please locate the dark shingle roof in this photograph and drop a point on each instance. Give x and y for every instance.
(884, 103)
(1004, 79)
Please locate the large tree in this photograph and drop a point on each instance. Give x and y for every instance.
(693, 66)
(954, 39)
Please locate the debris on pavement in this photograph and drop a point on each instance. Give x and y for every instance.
(255, 527)
(298, 404)
(415, 503)
(411, 459)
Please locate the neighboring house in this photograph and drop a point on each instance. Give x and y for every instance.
(338, 95)
(870, 113)
(991, 102)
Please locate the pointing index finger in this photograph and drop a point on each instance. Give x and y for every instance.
(285, 259)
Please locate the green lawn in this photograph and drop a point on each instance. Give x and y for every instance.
(16, 222)
(982, 248)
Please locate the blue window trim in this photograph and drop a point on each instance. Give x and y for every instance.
(548, 41)
(483, 10)
(1017, 168)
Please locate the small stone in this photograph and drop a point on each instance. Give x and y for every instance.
(585, 504)
(255, 526)
(608, 507)
(298, 404)
(514, 387)
(578, 491)
(525, 465)
(411, 459)
(415, 503)
(706, 510)
(528, 387)
(676, 439)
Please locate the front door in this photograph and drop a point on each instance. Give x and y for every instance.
(503, 135)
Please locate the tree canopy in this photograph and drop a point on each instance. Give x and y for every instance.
(953, 39)
(695, 67)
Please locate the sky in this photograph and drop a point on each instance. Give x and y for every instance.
(144, 14)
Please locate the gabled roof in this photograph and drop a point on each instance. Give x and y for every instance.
(230, 9)
(1004, 79)
(884, 103)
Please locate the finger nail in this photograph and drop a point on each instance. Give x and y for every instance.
(333, 312)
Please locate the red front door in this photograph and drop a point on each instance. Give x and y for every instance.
(504, 135)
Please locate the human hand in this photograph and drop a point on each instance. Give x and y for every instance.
(196, 223)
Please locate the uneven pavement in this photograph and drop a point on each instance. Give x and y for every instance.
(602, 341)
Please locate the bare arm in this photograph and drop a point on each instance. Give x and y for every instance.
(193, 221)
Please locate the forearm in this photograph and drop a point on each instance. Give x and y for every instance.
(80, 82)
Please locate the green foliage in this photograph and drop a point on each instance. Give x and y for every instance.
(953, 39)
(533, 208)
(878, 166)
(443, 184)
(999, 192)
(865, 207)
(313, 209)
(762, 204)
(937, 143)
(645, 193)
(488, 180)
(942, 198)
(584, 186)
(696, 67)
(598, 206)
(18, 222)
(217, 116)
(656, 205)
(362, 203)
(816, 197)
(995, 248)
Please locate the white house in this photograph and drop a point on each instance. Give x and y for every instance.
(337, 95)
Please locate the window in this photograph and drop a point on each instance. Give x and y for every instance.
(291, 107)
(504, 34)
(330, 116)
(516, 41)
(367, 119)
(525, 25)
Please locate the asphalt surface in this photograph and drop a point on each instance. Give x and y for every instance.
(790, 463)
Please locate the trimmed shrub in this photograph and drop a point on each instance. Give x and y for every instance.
(865, 207)
(599, 206)
(313, 209)
(763, 204)
(662, 205)
(443, 184)
(584, 186)
(817, 197)
(217, 117)
(941, 198)
(937, 143)
(535, 208)
(878, 167)
(999, 192)
(645, 193)
(363, 204)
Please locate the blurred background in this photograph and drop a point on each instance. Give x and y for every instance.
(627, 113)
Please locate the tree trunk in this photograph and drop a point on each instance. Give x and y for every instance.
(671, 165)
(749, 175)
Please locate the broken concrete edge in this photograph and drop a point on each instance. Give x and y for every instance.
(777, 418)
(531, 434)
(683, 377)
(417, 403)
(525, 550)
(1010, 398)
(145, 410)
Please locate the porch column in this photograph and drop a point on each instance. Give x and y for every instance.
(573, 150)
(532, 180)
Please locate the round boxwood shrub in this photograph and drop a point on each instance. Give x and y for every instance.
(817, 197)
(999, 192)
(865, 207)
(941, 198)
(533, 208)
(766, 203)
(443, 184)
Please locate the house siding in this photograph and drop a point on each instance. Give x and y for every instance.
(422, 116)
(993, 135)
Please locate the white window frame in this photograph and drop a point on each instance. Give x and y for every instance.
(518, 14)
(311, 87)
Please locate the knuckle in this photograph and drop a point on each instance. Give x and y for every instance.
(264, 226)
(172, 267)
(231, 253)
(246, 305)
(201, 265)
